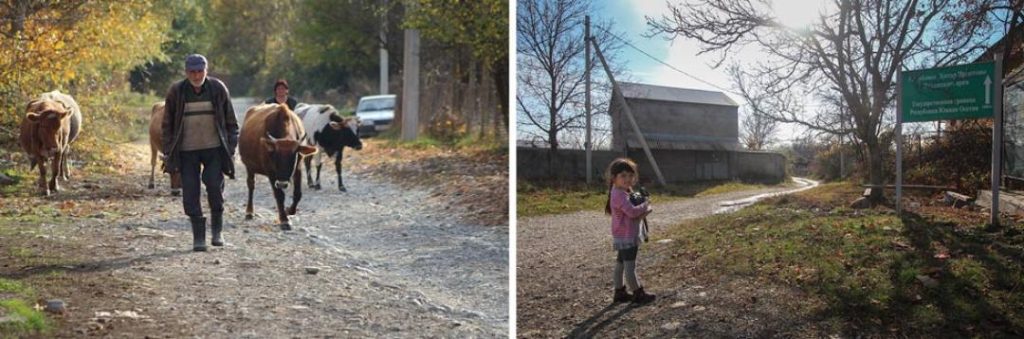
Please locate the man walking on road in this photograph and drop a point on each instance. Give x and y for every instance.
(200, 135)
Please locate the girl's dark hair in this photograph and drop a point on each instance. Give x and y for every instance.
(614, 168)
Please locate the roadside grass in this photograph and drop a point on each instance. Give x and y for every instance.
(936, 273)
(542, 198)
(23, 320)
(14, 287)
(30, 320)
(22, 182)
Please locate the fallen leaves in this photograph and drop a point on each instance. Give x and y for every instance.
(476, 182)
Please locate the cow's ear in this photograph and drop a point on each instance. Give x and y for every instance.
(30, 104)
(33, 117)
(269, 144)
(306, 150)
(335, 125)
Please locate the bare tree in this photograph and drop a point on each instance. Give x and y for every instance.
(550, 66)
(854, 54)
(758, 126)
(758, 130)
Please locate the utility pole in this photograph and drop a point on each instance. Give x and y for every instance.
(383, 48)
(586, 100)
(411, 83)
(629, 114)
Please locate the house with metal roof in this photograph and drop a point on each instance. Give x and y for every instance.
(676, 119)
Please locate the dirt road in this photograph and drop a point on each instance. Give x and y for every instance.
(390, 261)
(564, 274)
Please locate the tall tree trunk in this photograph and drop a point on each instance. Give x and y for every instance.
(553, 113)
(494, 106)
(499, 72)
(875, 171)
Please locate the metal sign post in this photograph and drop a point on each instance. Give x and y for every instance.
(997, 136)
(899, 145)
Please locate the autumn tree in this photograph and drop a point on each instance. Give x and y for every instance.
(853, 53)
(479, 27)
(242, 31)
(336, 42)
(71, 46)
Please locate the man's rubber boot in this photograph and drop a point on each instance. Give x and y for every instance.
(216, 225)
(198, 234)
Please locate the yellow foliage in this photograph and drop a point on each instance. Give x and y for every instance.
(75, 49)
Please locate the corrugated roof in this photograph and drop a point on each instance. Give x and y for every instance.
(675, 94)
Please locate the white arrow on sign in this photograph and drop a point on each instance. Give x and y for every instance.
(988, 86)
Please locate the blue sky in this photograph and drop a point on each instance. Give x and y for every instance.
(629, 20)
(628, 17)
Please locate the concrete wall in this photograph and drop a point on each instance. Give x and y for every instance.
(676, 165)
(677, 125)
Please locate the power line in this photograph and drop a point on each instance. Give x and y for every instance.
(665, 63)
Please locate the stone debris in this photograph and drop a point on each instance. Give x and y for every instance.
(56, 306)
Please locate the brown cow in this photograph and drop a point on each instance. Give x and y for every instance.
(51, 124)
(156, 117)
(270, 144)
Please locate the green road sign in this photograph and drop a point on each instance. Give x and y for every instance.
(949, 93)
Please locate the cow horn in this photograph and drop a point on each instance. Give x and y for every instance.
(271, 137)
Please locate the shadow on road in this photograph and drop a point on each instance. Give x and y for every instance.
(591, 327)
(95, 266)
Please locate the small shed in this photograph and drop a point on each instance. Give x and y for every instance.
(676, 119)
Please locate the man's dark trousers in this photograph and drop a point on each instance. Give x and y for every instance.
(211, 175)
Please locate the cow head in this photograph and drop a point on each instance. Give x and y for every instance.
(346, 129)
(284, 157)
(47, 116)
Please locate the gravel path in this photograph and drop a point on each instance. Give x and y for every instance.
(390, 261)
(564, 264)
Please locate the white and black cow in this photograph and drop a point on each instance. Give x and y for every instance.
(327, 130)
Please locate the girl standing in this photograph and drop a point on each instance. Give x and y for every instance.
(622, 175)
